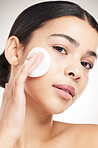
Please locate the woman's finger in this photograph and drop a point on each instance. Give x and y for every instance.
(27, 67)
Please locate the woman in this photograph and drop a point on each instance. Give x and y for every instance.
(70, 35)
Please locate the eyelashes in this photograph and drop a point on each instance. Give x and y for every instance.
(62, 50)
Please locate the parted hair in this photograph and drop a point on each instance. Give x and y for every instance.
(34, 17)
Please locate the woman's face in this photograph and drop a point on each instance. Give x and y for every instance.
(72, 44)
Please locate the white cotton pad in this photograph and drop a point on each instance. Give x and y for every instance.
(43, 67)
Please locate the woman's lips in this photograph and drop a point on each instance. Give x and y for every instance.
(65, 91)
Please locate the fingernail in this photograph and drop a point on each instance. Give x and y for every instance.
(6, 84)
(39, 53)
(25, 62)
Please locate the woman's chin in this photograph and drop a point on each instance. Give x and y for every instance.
(57, 108)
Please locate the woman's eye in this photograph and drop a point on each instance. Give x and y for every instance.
(87, 65)
(60, 49)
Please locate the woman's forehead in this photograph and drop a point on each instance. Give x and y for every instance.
(69, 24)
(79, 30)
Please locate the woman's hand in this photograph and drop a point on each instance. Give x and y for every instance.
(12, 112)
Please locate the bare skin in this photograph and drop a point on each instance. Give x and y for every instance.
(29, 103)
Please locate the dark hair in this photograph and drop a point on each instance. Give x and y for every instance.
(34, 17)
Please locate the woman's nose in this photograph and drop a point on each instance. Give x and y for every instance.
(74, 72)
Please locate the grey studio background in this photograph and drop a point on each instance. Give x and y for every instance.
(85, 109)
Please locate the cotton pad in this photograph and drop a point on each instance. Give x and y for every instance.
(43, 67)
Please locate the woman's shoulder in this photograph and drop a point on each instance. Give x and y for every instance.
(76, 128)
(85, 135)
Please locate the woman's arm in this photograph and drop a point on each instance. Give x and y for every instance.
(6, 141)
(12, 112)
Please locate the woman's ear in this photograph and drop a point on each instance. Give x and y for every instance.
(12, 52)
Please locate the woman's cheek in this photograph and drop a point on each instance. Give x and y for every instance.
(83, 83)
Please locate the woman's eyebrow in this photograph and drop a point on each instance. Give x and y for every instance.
(92, 53)
(74, 42)
(70, 39)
